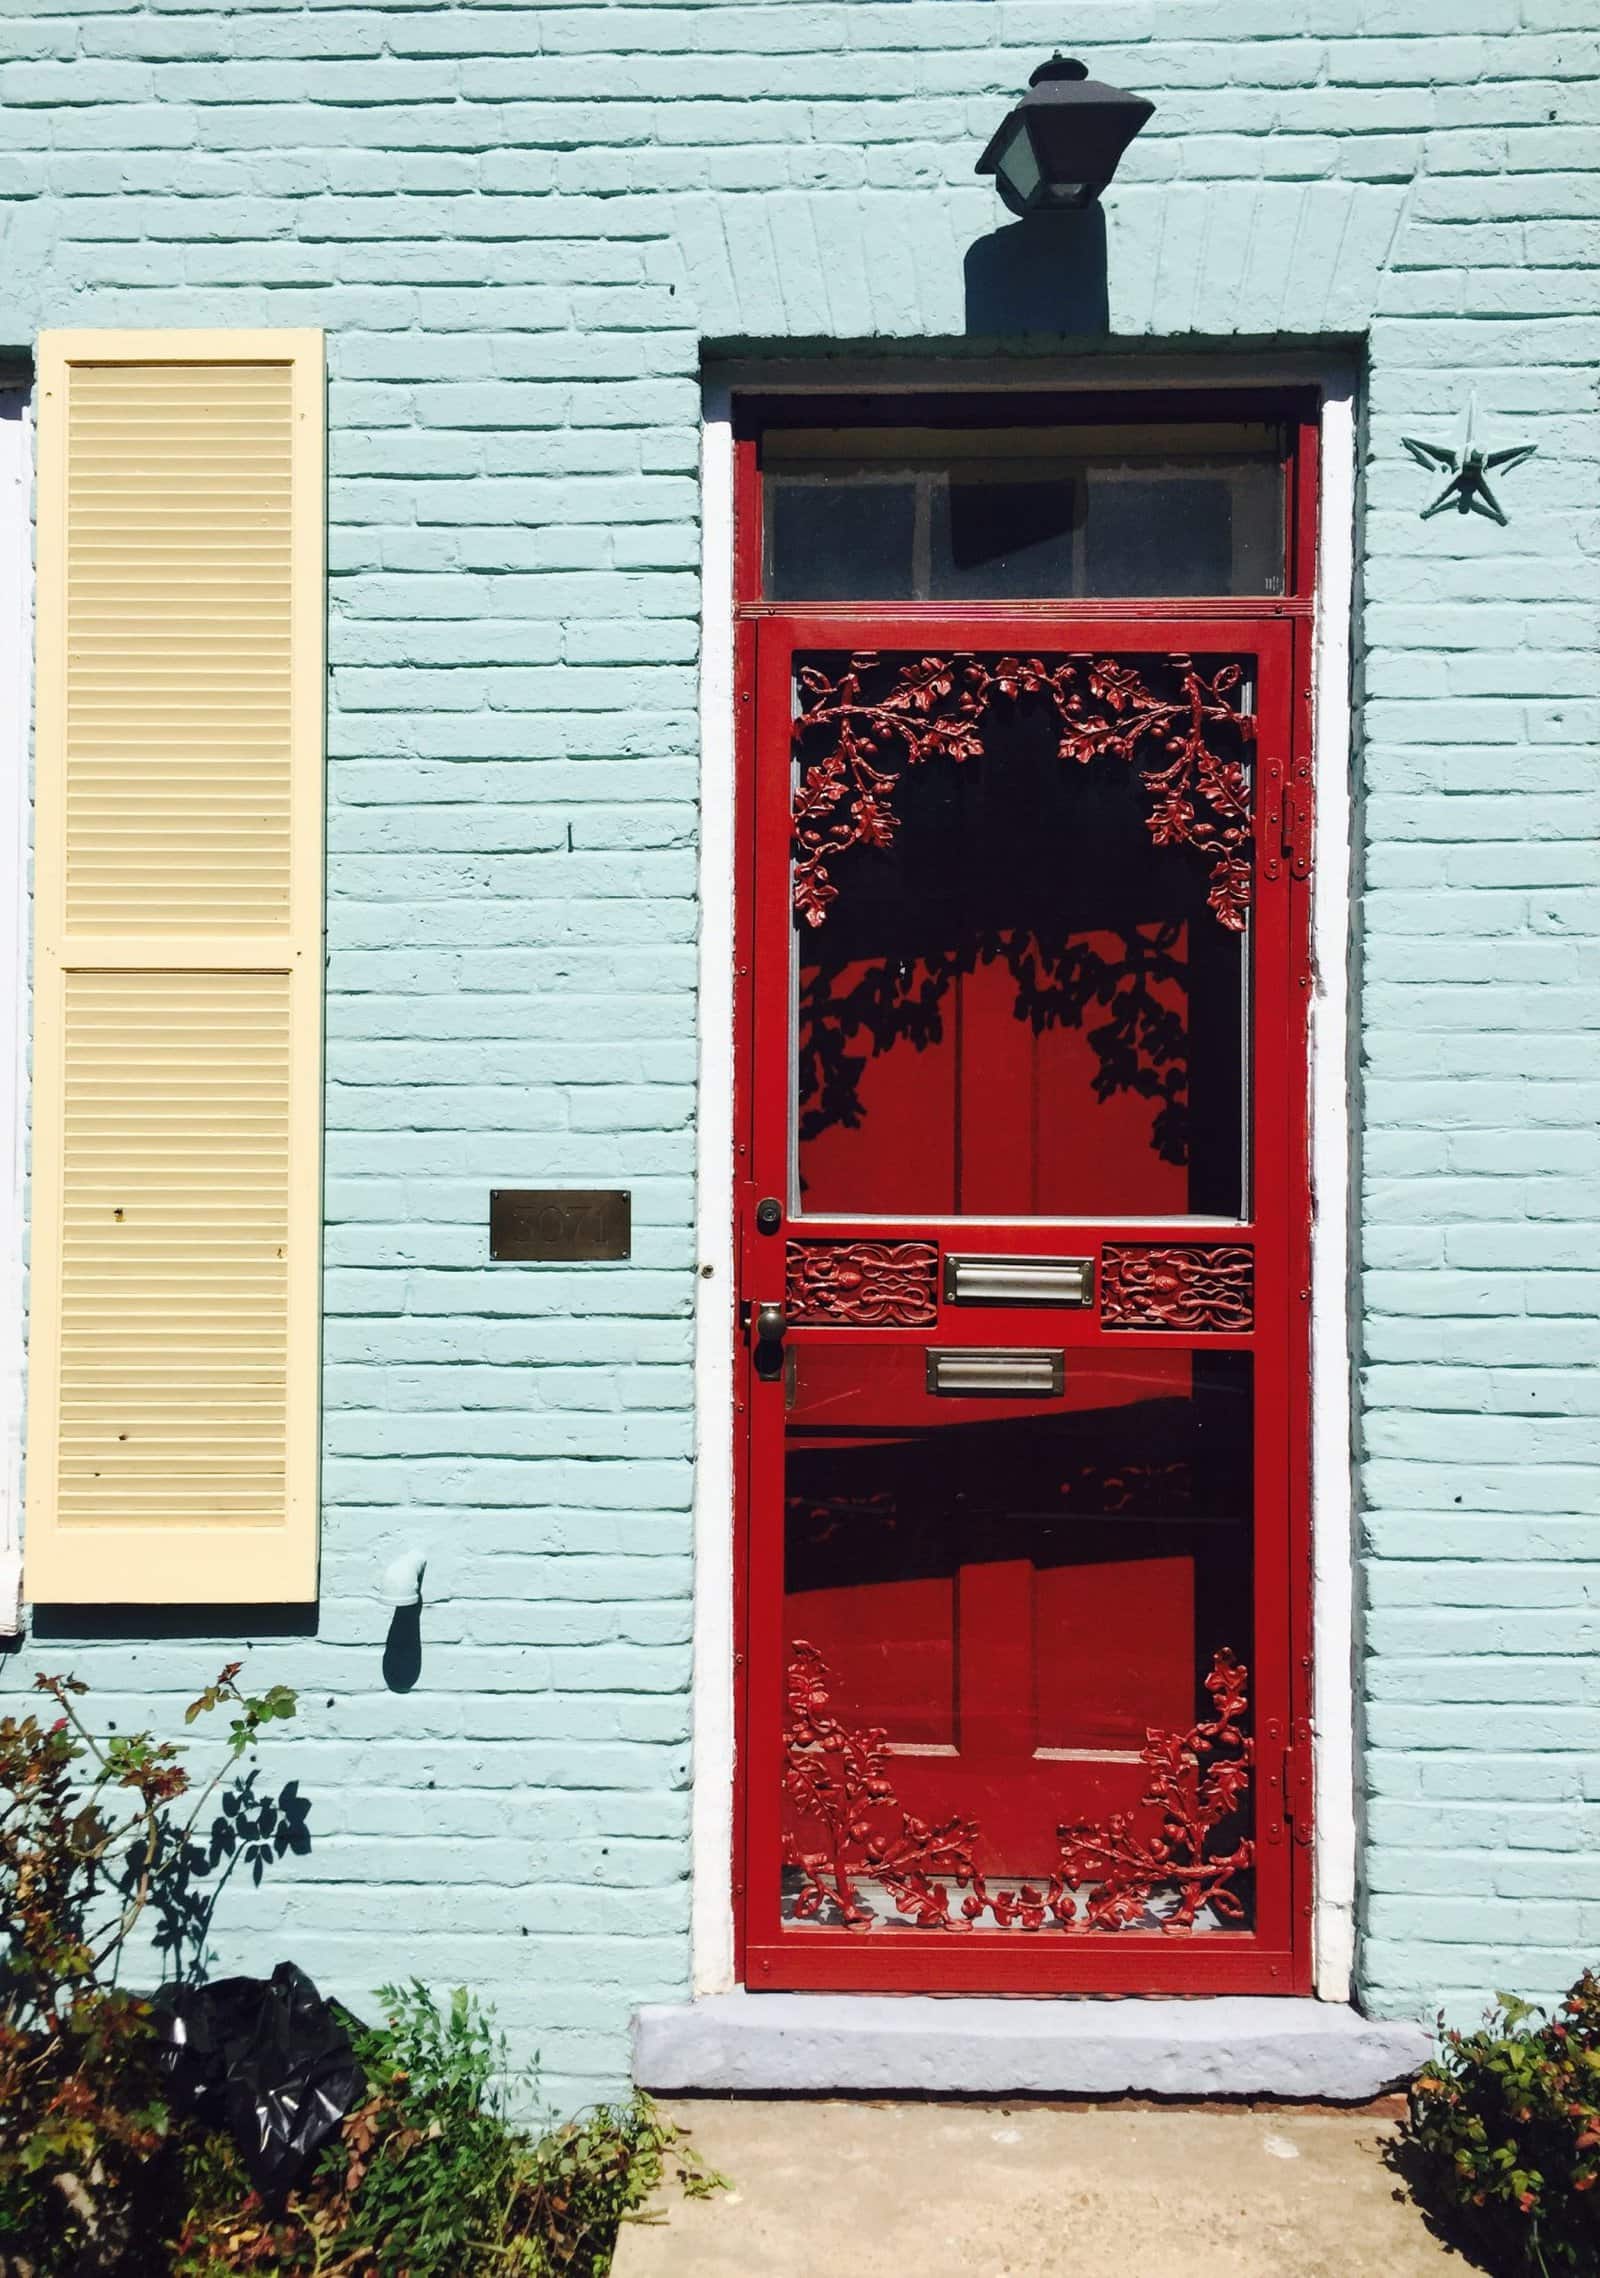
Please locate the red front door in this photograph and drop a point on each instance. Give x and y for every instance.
(1022, 1230)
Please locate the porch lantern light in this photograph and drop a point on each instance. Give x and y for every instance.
(1057, 150)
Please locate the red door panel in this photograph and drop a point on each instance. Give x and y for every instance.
(1020, 1599)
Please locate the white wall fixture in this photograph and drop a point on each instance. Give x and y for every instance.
(402, 1579)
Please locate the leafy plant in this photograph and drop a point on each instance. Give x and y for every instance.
(430, 2179)
(1504, 2134)
(91, 1839)
(103, 1838)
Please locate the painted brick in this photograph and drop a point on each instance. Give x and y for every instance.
(519, 226)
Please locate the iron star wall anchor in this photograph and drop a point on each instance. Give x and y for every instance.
(1469, 469)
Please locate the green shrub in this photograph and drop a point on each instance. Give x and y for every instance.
(430, 2179)
(1504, 2134)
(96, 1832)
(104, 1835)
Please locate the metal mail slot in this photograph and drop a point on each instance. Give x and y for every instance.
(1018, 1281)
(996, 1369)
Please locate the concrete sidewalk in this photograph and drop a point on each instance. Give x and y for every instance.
(962, 2191)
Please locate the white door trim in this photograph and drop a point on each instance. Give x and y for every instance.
(1333, 1290)
(1333, 1283)
(16, 682)
(712, 1812)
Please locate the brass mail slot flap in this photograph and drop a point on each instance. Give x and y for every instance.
(989, 1369)
(1018, 1281)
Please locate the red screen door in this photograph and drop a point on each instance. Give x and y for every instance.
(1021, 1246)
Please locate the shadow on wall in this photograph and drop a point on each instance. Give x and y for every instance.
(229, 1629)
(402, 1649)
(225, 1627)
(1046, 273)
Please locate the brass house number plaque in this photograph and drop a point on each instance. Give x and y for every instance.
(559, 1224)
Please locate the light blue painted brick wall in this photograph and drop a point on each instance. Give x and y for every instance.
(518, 226)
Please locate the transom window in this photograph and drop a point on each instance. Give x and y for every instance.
(1093, 511)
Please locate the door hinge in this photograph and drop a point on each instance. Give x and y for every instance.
(1273, 1758)
(1272, 817)
(1286, 795)
(1297, 820)
(1297, 1779)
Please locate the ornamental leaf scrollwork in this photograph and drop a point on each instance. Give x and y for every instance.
(867, 1285)
(855, 739)
(848, 1837)
(1183, 1287)
(836, 1783)
(1198, 1780)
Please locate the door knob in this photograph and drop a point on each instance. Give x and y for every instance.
(767, 1358)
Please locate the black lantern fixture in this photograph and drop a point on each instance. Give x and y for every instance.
(1057, 150)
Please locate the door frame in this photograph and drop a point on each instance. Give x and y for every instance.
(1274, 1956)
(1324, 551)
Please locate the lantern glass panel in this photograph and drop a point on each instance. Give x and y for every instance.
(1019, 165)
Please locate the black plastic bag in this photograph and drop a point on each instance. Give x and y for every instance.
(269, 2060)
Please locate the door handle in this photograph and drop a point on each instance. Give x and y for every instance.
(769, 1324)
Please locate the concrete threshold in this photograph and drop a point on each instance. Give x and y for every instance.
(920, 2044)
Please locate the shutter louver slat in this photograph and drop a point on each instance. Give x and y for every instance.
(158, 486)
(174, 1326)
(174, 1085)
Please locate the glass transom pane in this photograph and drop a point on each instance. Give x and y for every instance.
(886, 514)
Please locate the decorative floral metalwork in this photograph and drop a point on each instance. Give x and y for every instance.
(1180, 1288)
(1198, 1780)
(856, 739)
(835, 1781)
(845, 1829)
(869, 1285)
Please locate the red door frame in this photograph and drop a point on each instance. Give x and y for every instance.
(1277, 1959)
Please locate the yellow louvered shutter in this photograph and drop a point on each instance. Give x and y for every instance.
(176, 1187)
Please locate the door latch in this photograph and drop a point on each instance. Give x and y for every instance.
(769, 1326)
